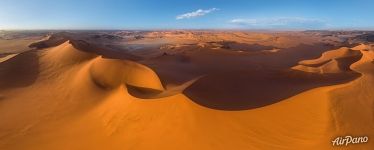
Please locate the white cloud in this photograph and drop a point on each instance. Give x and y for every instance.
(280, 22)
(197, 13)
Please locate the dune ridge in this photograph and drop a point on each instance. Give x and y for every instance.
(352, 104)
(334, 61)
(88, 100)
(7, 57)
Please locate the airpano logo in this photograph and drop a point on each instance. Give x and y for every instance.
(345, 141)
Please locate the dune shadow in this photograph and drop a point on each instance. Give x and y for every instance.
(142, 92)
(19, 71)
(246, 90)
(241, 82)
(148, 93)
(232, 45)
(105, 52)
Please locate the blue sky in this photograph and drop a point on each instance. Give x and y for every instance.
(191, 14)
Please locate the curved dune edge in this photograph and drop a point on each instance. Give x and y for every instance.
(334, 61)
(7, 57)
(112, 73)
(64, 109)
(352, 111)
(106, 73)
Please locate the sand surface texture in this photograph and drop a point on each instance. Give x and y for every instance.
(208, 95)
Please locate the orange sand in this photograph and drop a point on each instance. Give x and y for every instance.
(81, 101)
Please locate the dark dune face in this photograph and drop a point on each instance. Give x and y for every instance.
(85, 45)
(232, 45)
(248, 90)
(54, 40)
(235, 75)
(19, 71)
(246, 81)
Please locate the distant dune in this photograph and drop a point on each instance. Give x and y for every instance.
(334, 61)
(68, 93)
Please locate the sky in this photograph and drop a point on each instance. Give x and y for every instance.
(191, 14)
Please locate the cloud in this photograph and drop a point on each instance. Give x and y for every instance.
(282, 22)
(197, 13)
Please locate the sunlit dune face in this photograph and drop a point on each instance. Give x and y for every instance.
(224, 90)
(230, 75)
(110, 73)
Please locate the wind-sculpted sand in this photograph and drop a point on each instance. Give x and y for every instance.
(334, 61)
(6, 57)
(69, 94)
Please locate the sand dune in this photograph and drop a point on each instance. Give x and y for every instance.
(20, 70)
(113, 73)
(333, 54)
(77, 99)
(240, 81)
(52, 40)
(334, 61)
(5, 58)
(356, 99)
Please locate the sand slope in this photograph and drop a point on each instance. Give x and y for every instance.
(80, 100)
(5, 58)
(334, 61)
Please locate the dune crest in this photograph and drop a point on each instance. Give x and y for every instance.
(7, 57)
(66, 54)
(111, 73)
(334, 61)
(78, 99)
(352, 104)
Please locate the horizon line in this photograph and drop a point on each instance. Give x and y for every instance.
(192, 29)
